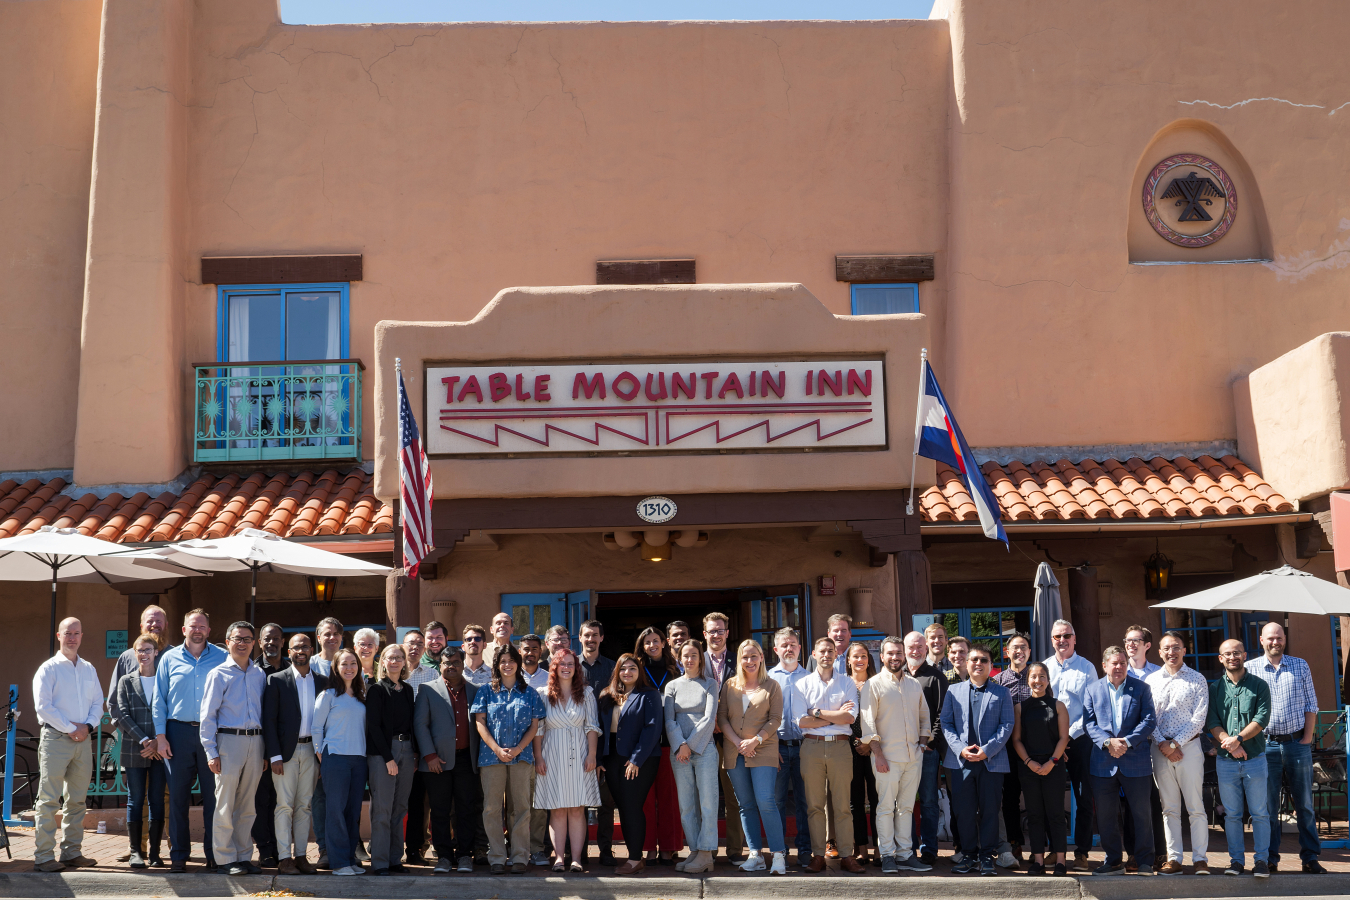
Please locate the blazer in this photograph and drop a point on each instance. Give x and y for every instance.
(1137, 721)
(994, 728)
(640, 725)
(763, 717)
(434, 724)
(281, 712)
(134, 717)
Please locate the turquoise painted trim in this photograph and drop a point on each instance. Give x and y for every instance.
(225, 291)
(858, 295)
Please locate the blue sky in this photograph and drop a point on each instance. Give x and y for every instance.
(326, 12)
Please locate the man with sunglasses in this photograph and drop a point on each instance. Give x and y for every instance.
(473, 641)
(1070, 675)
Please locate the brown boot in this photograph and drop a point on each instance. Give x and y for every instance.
(305, 866)
(817, 864)
(701, 861)
(631, 867)
(849, 864)
(287, 866)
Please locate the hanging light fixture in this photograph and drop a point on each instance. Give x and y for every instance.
(656, 553)
(322, 589)
(1157, 573)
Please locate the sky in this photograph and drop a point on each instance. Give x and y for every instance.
(328, 12)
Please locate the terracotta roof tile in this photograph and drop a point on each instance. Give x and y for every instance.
(1154, 489)
(295, 505)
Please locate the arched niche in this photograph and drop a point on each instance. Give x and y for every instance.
(1248, 238)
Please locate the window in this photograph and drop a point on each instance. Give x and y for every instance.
(1204, 632)
(884, 299)
(533, 613)
(774, 612)
(265, 323)
(989, 628)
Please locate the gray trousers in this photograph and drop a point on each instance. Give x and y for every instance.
(64, 769)
(389, 804)
(295, 788)
(241, 765)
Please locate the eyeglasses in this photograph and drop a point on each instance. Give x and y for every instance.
(710, 632)
(1061, 637)
(978, 661)
(240, 640)
(473, 640)
(140, 650)
(1233, 654)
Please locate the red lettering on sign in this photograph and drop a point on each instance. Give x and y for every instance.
(809, 373)
(660, 392)
(499, 385)
(752, 384)
(580, 384)
(733, 383)
(619, 392)
(541, 388)
(450, 388)
(521, 393)
(708, 379)
(471, 387)
(677, 384)
(864, 386)
(835, 384)
(781, 386)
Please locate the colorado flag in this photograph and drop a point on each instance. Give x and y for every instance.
(939, 437)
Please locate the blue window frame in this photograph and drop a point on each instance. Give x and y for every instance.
(266, 322)
(987, 627)
(1204, 632)
(781, 610)
(534, 613)
(884, 299)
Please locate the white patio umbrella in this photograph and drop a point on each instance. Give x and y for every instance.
(63, 554)
(1283, 590)
(262, 551)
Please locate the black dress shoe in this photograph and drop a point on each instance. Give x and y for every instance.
(211, 868)
(380, 872)
(1312, 867)
(416, 860)
(269, 862)
(399, 868)
(178, 867)
(253, 868)
(929, 858)
(607, 859)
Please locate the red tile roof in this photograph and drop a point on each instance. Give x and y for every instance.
(1179, 488)
(291, 505)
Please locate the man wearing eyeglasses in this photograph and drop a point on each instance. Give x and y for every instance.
(477, 670)
(1070, 675)
(231, 731)
(1138, 641)
(1239, 711)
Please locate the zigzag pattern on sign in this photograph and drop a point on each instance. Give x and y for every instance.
(497, 429)
(769, 436)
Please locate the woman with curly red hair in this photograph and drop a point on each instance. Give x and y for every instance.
(565, 757)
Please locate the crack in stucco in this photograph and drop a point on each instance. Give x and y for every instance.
(1295, 268)
(1242, 103)
(562, 86)
(782, 70)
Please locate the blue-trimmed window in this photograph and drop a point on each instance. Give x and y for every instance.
(267, 322)
(884, 299)
(781, 610)
(1204, 632)
(990, 627)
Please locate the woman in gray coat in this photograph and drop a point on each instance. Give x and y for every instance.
(142, 765)
(691, 714)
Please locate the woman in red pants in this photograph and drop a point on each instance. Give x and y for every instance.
(662, 808)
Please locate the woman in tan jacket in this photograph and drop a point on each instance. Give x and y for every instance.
(749, 715)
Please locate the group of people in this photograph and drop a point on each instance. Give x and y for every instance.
(503, 745)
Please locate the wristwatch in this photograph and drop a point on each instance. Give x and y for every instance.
(814, 712)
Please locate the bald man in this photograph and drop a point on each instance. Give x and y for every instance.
(934, 685)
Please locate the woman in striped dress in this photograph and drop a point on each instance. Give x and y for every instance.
(565, 757)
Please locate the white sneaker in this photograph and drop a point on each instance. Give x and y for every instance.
(779, 866)
(753, 863)
(350, 870)
(1006, 860)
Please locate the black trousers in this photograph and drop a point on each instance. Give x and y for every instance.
(455, 794)
(1045, 807)
(604, 820)
(629, 796)
(975, 801)
(1012, 802)
(1080, 782)
(1135, 788)
(1159, 838)
(415, 833)
(863, 791)
(265, 804)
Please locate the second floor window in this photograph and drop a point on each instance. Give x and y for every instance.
(884, 299)
(283, 322)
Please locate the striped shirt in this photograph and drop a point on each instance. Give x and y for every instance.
(1291, 693)
(420, 676)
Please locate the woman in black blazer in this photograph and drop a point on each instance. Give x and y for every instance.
(662, 807)
(631, 716)
(146, 775)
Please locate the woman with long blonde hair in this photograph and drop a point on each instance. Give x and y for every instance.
(391, 758)
(750, 712)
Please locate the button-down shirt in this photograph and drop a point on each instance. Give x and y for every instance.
(828, 696)
(304, 691)
(480, 676)
(180, 683)
(792, 711)
(943, 665)
(1068, 681)
(1116, 694)
(1291, 693)
(1233, 707)
(718, 669)
(1181, 703)
(459, 704)
(67, 695)
(509, 713)
(232, 699)
(1015, 682)
(598, 673)
(339, 724)
(538, 680)
(895, 713)
(1142, 674)
(420, 676)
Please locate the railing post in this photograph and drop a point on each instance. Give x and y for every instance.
(11, 726)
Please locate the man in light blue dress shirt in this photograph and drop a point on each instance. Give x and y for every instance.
(180, 686)
(1070, 675)
(788, 646)
(231, 733)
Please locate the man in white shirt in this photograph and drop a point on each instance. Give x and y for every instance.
(502, 628)
(897, 726)
(1181, 703)
(1138, 641)
(288, 741)
(68, 701)
(720, 666)
(828, 702)
(477, 670)
(1070, 676)
(839, 627)
(531, 648)
(413, 646)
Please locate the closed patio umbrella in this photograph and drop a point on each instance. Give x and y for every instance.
(1044, 612)
(1282, 590)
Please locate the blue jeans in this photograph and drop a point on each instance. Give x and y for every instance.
(790, 775)
(156, 777)
(188, 765)
(1291, 764)
(696, 785)
(928, 802)
(344, 783)
(755, 789)
(1239, 778)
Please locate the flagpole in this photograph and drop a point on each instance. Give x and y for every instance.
(398, 394)
(918, 429)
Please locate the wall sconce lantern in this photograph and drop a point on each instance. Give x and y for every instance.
(322, 589)
(657, 553)
(1157, 574)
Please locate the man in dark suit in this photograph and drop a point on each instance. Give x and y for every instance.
(977, 722)
(288, 741)
(1118, 717)
(934, 685)
(272, 642)
(447, 757)
(599, 670)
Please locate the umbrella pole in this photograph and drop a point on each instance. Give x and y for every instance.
(51, 631)
(253, 598)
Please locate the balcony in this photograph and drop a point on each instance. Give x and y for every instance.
(280, 410)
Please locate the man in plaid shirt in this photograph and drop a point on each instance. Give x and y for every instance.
(1289, 737)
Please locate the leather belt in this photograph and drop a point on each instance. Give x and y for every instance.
(1285, 738)
(185, 722)
(242, 732)
(827, 737)
(304, 740)
(787, 743)
(401, 737)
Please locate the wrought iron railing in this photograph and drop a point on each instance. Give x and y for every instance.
(285, 409)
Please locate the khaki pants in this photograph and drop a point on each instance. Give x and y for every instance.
(896, 791)
(295, 796)
(241, 762)
(499, 780)
(538, 821)
(735, 834)
(64, 769)
(827, 773)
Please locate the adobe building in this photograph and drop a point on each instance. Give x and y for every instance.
(692, 264)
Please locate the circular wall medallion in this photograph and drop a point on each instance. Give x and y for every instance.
(656, 509)
(1190, 200)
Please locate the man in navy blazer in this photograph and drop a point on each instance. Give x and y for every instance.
(1118, 717)
(977, 721)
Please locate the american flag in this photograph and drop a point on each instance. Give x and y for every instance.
(414, 479)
